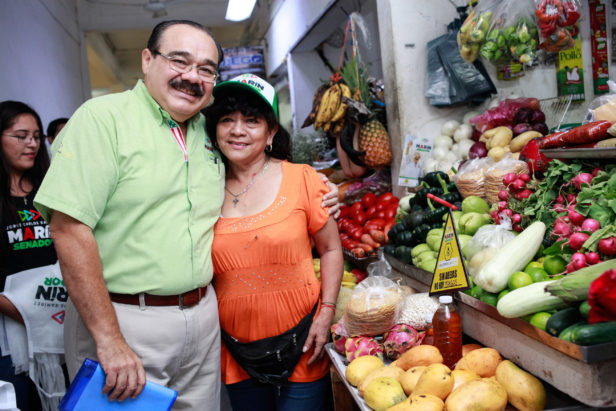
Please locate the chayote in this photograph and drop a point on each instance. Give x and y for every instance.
(471, 222)
(474, 204)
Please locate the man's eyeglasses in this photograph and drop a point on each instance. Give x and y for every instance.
(23, 138)
(180, 65)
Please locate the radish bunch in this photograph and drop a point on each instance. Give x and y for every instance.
(516, 185)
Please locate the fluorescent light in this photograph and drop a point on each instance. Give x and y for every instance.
(238, 10)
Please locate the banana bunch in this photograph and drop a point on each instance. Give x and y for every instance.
(328, 108)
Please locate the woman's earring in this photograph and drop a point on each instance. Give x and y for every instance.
(268, 148)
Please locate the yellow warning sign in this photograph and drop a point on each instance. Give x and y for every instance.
(450, 272)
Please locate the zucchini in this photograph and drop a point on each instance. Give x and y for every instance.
(598, 333)
(512, 257)
(566, 333)
(562, 319)
(584, 309)
(529, 299)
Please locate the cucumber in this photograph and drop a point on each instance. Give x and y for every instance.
(598, 333)
(584, 309)
(566, 333)
(562, 319)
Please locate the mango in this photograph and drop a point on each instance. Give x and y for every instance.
(485, 394)
(524, 390)
(462, 376)
(360, 367)
(482, 361)
(383, 393)
(419, 355)
(410, 377)
(435, 380)
(388, 371)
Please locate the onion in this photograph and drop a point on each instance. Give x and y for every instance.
(478, 150)
(463, 148)
(465, 131)
(443, 141)
(429, 164)
(470, 115)
(438, 153)
(449, 127)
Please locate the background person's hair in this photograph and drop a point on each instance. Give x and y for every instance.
(53, 126)
(159, 29)
(249, 104)
(9, 111)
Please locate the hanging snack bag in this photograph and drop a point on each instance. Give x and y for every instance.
(473, 32)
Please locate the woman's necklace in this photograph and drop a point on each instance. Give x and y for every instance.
(235, 196)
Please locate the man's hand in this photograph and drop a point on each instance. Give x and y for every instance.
(331, 199)
(124, 372)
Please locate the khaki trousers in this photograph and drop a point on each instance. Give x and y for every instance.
(179, 348)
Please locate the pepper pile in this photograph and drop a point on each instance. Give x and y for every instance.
(557, 20)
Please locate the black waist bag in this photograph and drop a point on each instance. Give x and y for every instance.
(271, 360)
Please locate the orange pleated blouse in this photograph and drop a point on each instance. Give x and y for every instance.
(263, 272)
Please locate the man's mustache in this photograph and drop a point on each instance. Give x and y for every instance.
(179, 84)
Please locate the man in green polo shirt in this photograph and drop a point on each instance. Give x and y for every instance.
(132, 195)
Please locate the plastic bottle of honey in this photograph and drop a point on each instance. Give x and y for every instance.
(429, 337)
(447, 326)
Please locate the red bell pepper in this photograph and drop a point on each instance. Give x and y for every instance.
(602, 298)
(549, 11)
(570, 13)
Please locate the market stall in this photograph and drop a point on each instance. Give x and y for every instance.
(523, 185)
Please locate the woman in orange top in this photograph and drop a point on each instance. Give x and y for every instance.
(263, 269)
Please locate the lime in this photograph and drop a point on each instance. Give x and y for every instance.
(554, 264)
(538, 274)
(540, 319)
(533, 264)
(519, 279)
(489, 298)
(476, 291)
(503, 293)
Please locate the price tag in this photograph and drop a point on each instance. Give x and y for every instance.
(450, 272)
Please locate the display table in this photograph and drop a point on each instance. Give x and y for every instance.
(588, 374)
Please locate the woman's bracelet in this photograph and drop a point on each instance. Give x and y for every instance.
(328, 305)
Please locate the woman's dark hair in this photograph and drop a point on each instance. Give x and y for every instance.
(9, 111)
(234, 99)
(159, 29)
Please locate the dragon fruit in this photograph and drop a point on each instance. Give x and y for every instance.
(359, 346)
(339, 337)
(400, 338)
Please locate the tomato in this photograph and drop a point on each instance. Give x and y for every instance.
(371, 212)
(381, 214)
(355, 207)
(356, 233)
(381, 206)
(344, 210)
(359, 218)
(368, 200)
(390, 211)
(376, 222)
(385, 198)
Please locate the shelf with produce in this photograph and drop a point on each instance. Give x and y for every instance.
(584, 373)
(594, 153)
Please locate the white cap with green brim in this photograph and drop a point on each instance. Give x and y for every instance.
(252, 83)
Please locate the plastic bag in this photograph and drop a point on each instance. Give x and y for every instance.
(373, 307)
(378, 183)
(492, 235)
(557, 20)
(473, 32)
(513, 34)
(449, 79)
(503, 113)
(471, 177)
(603, 107)
(381, 267)
(415, 308)
(494, 176)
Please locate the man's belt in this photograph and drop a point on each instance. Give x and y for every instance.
(184, 300)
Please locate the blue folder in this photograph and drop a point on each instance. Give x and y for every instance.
(86, 393)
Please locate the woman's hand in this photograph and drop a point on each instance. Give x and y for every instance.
(319, 333)
(330, 199)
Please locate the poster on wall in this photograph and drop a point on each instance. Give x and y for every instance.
(598, 46)
(570, 70)
(242, 60)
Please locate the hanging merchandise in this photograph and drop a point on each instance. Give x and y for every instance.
(556, 20)
(570, 71)
(473, 32)
(513, 35)
(447, 72)
(598, 46)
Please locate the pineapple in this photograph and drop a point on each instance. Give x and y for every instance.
(374, 140)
